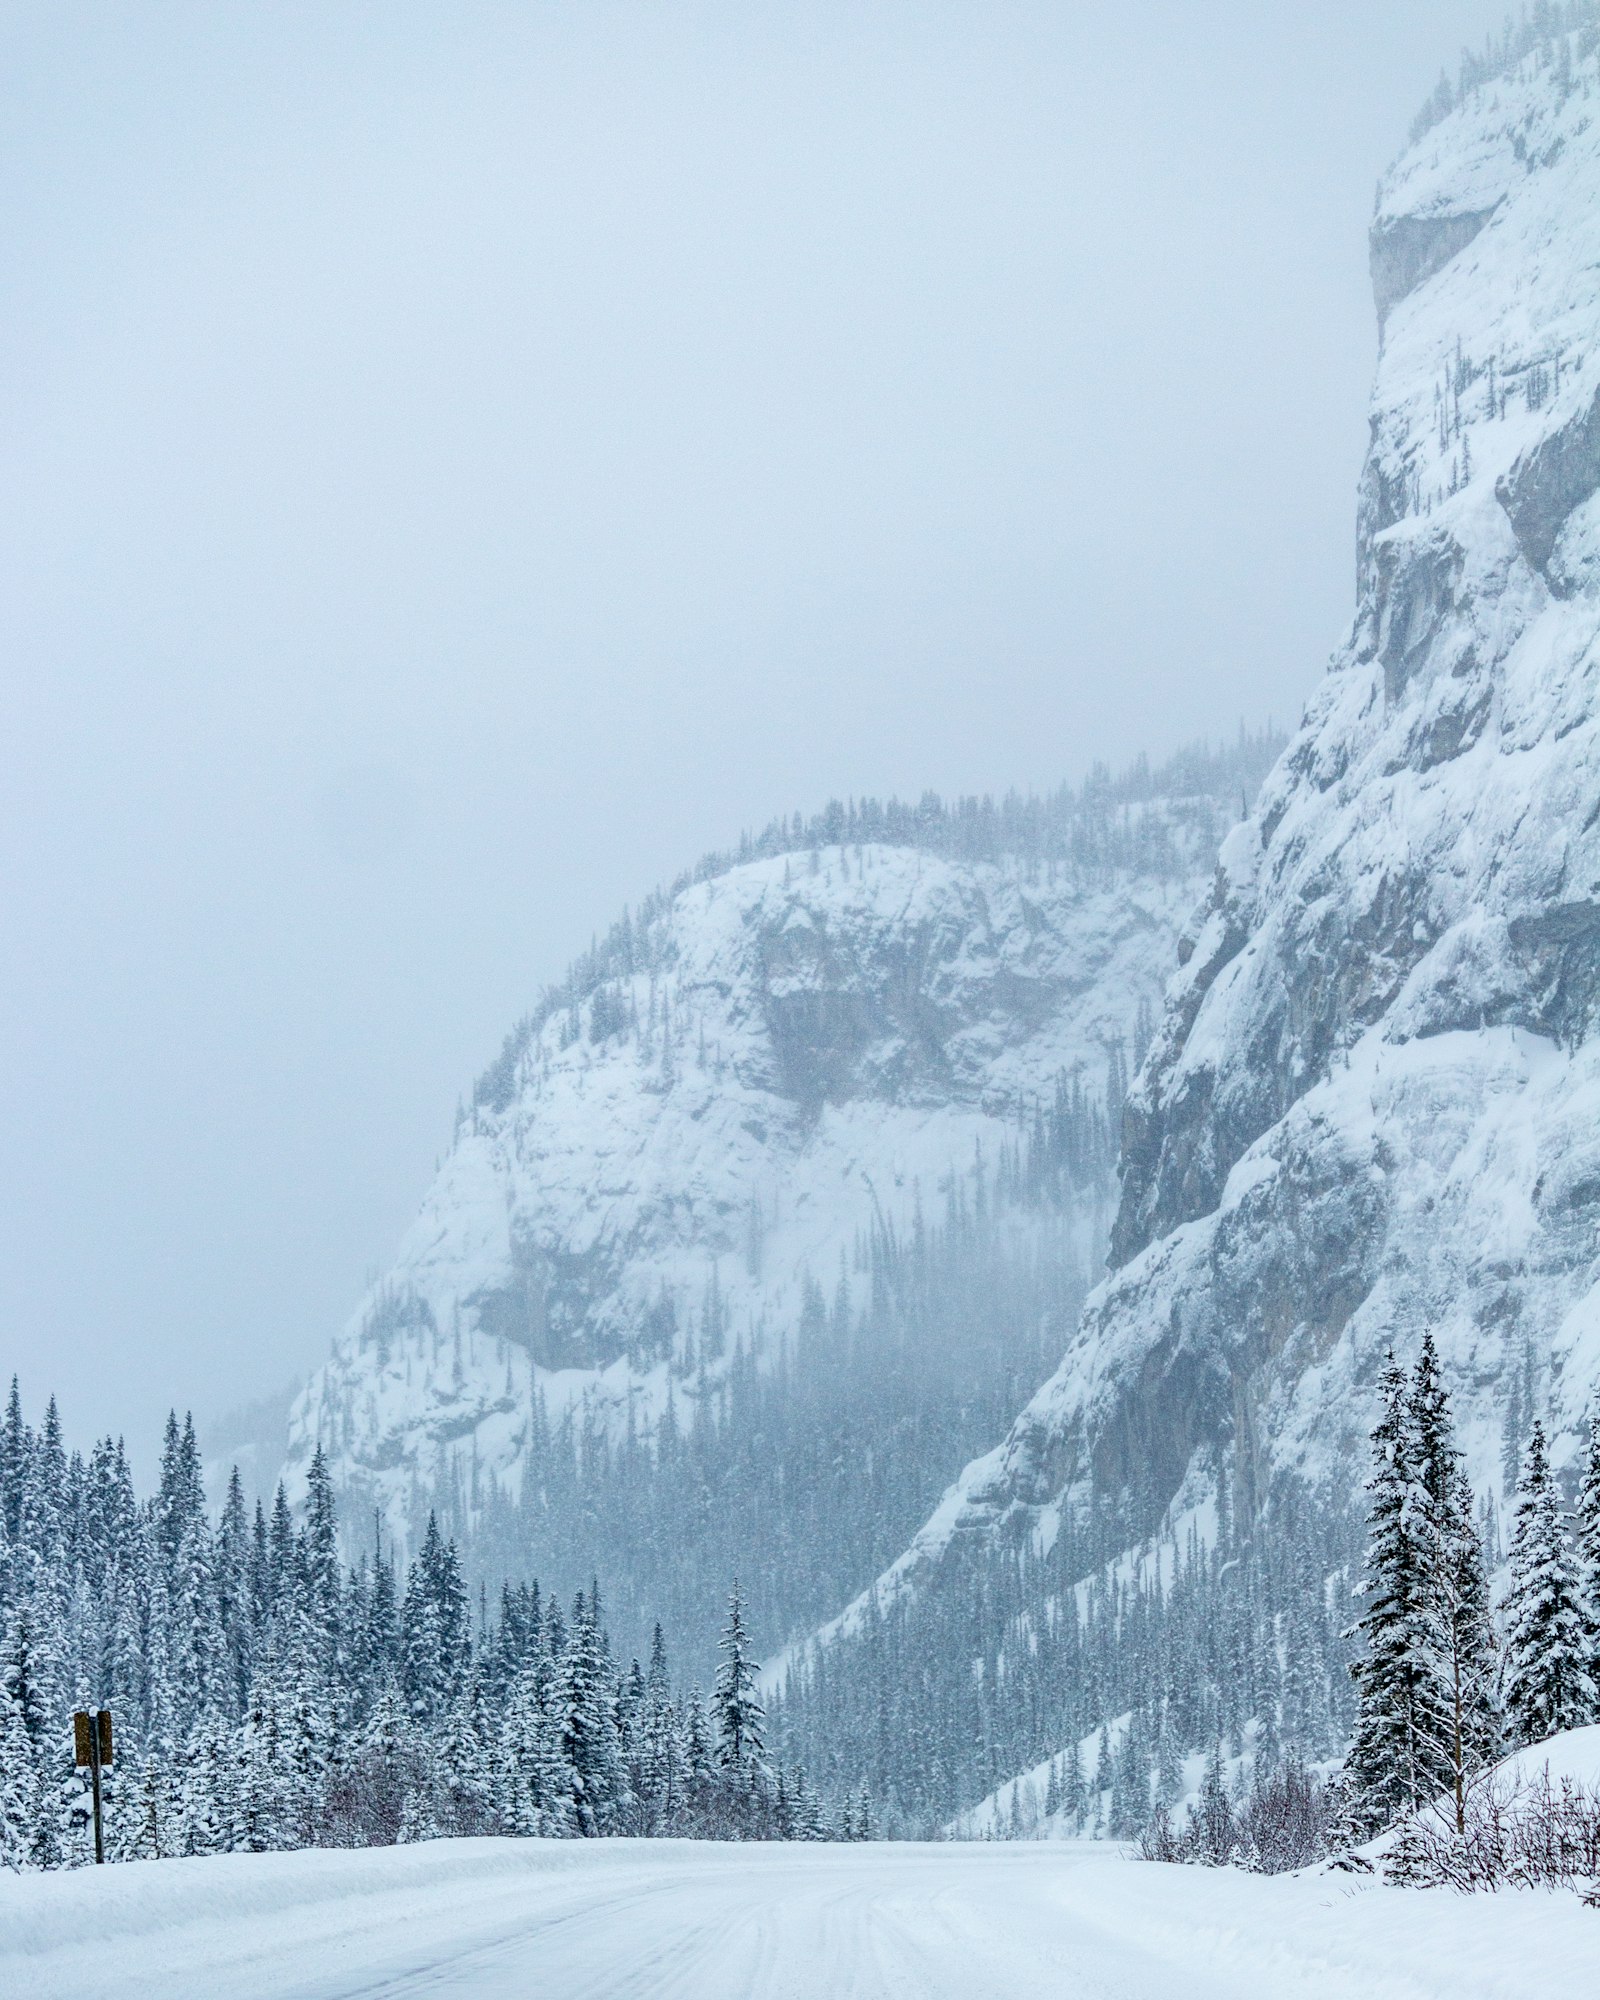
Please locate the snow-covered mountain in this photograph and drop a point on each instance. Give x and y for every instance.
(1373, 1101)
(794, 1066)
(810, 1049)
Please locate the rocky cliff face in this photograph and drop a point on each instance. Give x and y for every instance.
(782, 1060)
(1373, 1102)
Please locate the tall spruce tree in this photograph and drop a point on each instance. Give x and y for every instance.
(437, 1628)
(320, 1557)
(584, 1698)
(21, 1796)
(1394, 1761)
(1462, 1637)
(1456, 1653)
(1549, 1680)
(16, 1457)
(234, 1593)
(1588, 1526)
(736, 1706)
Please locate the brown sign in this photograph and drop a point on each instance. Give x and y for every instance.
(91, 1745)
(84, 1728)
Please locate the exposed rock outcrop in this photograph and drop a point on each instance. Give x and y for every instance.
(1373, 1103)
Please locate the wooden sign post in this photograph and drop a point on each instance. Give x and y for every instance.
(91, 1744)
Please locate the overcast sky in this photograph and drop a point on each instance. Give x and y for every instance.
(461, 462)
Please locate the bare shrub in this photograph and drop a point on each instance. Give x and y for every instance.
(1516, 1832)
(1282, 1822)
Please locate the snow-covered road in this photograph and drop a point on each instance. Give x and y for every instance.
(588, 1921)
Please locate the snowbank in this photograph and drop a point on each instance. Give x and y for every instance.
(1574, 1754)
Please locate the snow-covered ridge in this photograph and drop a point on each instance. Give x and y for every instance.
(786, 1055)
(1373, 1103)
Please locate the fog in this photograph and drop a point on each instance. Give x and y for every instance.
(462, 463)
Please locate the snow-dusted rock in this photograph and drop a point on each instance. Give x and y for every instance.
(1373, 1103)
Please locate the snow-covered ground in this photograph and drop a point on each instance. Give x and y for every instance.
(614, 1918)
(1574, 1754)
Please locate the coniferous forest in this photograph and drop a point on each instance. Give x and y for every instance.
(809, 1477)
(1445, 1681)
(1444, 1686)
(266, 1696)
(1285, 1641)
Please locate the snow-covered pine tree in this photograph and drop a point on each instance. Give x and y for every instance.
(201, 1668)
(1456, 1652)
(467, 1758)
(1588, 1526)
(1169, 1768)
(1130, 1782)
(736, 1707)
(260, 1566)
(282, 1553)
(306, 1728)
(206, 1803)
(1304, 1690)
(384, 1767)
(584, 1700)
(48, 1498)
(16, 1456)
(1394, 1760)
(151, 1830)
(260, 1821)
(376, 1646)
(1097, 1800)
(322, 1578)
(437, 1628)
(1548, 1677)
(537, 1784)
(699, 1745)
(1463, 1639)
(19, 1774)
(234, 1594)
(160, 1703)
(420, 1817)
(180, 1502)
